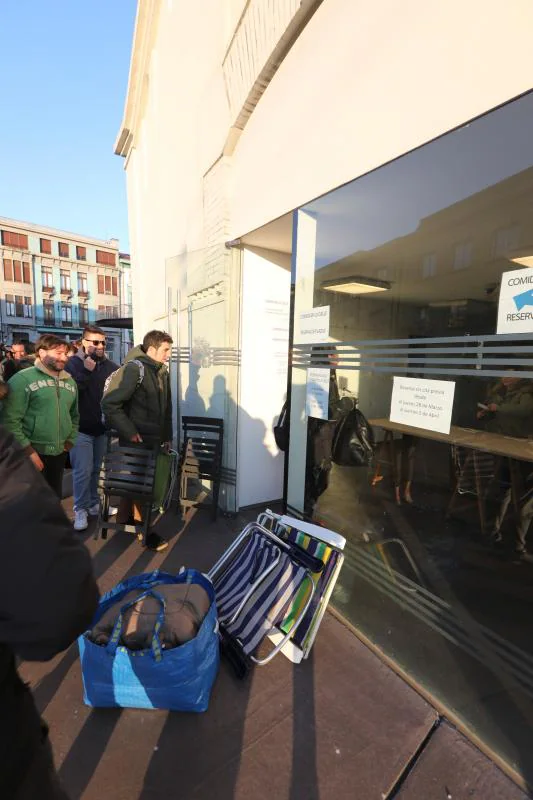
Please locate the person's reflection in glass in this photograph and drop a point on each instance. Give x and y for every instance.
(320, 434)
(508, 410)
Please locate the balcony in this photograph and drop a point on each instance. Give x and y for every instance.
(83, 293)
(46, 321)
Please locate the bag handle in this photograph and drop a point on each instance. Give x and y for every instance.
(156, 648)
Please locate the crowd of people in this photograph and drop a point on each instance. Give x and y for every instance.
(60, 400)
(57, 400)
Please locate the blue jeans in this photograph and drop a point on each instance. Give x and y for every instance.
(86, 458)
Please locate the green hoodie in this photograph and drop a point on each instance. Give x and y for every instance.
(41, 409)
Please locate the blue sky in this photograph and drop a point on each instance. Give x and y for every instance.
(64, 67)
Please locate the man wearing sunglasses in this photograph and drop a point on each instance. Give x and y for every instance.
(89, 367)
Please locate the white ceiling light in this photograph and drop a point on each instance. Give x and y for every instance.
(355, 285)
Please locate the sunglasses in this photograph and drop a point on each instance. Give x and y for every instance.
(96, 342)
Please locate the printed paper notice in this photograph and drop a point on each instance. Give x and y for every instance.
(317, 397)
(422, 403)
(313, 326)
(515, 306)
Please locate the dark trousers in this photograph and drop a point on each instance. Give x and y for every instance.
(41, 780)
(54, 466)
(26, 764)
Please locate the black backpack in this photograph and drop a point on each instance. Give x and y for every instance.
(281, 430)
(353, 442)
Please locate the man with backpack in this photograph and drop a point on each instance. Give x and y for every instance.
(90, 368)
(137, 403)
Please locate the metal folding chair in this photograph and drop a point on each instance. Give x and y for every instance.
(127, 471)
(201, 457)
(256, 582)
(325, 545)
(275, 582)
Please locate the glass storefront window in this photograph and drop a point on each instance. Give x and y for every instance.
(204, 367)
(409, 260)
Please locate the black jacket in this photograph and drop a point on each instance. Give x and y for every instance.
(90, 390)
(12, 366)
(48, 596)
(131, 406)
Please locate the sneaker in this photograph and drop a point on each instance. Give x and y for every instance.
(80, 520)
(95, 510)
(155, 542)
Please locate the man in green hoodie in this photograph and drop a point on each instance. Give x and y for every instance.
(138, 405)
(41, 409)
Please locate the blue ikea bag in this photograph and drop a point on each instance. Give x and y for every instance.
(177, 679)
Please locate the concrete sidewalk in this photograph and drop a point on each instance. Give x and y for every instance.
(342, 725)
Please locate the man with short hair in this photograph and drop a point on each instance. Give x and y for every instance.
(23, 357)
(41, 409)
(90, 368)
(138, 405)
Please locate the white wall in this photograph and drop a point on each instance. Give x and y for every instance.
(368, 81)
(263, 375)
(389, 76)
(181, 132)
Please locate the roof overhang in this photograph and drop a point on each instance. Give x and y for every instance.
(143, 38)
(124, 323)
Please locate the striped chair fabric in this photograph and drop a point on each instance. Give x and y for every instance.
(260, 584)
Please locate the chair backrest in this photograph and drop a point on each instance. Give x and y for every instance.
(325, 545)
(204, 436)
(250, 565)
(254, 594)
(128, 471)
(473, 469)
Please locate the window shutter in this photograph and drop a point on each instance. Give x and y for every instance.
(17, 271)
(26, 272)
(8, 269)
(101, 286)
(19, 240)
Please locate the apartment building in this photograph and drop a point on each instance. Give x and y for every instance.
(55, 281)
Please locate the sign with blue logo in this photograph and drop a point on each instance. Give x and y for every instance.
(515, 307)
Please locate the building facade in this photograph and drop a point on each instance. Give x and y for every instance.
(55, 281)
(365, 167)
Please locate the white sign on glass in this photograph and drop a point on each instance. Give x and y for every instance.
(313, 325)
(515, 306)
(423, 403)
(317, 395)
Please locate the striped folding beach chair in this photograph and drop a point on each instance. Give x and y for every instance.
(327, 547)
(256, 583)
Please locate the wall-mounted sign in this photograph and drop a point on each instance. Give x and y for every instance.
(423, 403)
(515, 306)
(317, 395)
(313, 326)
